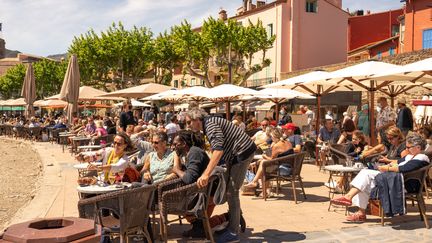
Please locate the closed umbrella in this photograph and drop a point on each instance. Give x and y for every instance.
(70, 88)
(28, 91)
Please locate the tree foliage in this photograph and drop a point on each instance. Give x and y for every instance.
(219, 44)
(115, 56)
(48, 78)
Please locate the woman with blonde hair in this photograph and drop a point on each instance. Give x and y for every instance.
(279, 147)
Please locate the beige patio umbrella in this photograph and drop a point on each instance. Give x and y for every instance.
(313, 83)
(193, 93)
(88, 93)
(227, 93)
(279, 95)
(138, 92)
(17, 102)
(70, 88)
(171, 96)
(360, 76)
(28, 90)
(44, 103)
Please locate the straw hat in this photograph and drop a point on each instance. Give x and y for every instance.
(402, 101)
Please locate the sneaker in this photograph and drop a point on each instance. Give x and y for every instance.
(331, 185)
(226, 236)
(197, 230)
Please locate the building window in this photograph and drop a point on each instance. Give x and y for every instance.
(176, 84)
(395, 30)
(391, 51)
(202, 82)
(311, 6)
(193, 82)
(427, 39)
(379, 55)
(270, 30)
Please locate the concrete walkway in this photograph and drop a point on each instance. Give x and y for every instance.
(278, 219)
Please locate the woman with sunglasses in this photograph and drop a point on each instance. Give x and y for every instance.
(158, 164)
(114, 159)
(364, 182)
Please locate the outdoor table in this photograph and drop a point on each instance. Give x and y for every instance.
(89, 147)
(63, 139)
(98, 189)
(82, 167)
(79, 140)
(347, 175)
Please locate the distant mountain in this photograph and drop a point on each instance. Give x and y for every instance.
(58, 56)
(11, 53)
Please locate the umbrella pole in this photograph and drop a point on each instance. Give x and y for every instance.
(317, 123)
(277, 111)
(244, 111)
(228, 110)
(372, 115)
(392, 101)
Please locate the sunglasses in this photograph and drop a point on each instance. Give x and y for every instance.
(188, 122)
(155, 142)
(117, 143)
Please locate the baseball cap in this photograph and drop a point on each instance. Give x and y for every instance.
(289, 126)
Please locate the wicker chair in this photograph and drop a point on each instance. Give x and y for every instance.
(35, 133)
(131, 206)
(420, 176)
(271, 172)
(175, 199)
(338, 153)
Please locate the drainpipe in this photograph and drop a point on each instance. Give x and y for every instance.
(291, 36)
(412, 29)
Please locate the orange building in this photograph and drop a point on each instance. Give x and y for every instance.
(373, 35)
(416, 26)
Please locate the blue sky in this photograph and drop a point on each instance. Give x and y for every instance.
(44, 27)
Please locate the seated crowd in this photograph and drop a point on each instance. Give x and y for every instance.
(174, 146)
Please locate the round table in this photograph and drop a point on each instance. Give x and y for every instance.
(347, 175)
(83, 166)
(97, 189)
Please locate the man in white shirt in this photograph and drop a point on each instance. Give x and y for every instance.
(172, 128)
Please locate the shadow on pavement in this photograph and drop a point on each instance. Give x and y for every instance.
(272, 236)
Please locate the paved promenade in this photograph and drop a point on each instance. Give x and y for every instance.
(278, 219)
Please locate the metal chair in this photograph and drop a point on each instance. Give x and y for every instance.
(271, 172)
(419, 176)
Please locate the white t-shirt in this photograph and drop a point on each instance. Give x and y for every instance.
(172, 128)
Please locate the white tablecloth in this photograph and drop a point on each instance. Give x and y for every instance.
(83, 166)
(96, 189)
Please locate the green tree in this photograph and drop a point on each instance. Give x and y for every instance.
(165, 58)
(117, 55)
(221, 44)
(11, 82)
(49, 77)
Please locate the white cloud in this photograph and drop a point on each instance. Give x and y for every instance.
(46, 27)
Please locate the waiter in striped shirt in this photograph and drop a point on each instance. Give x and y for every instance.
(231, 146)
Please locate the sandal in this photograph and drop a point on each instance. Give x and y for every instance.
(341, 201)
(356, 218)
(251, 185)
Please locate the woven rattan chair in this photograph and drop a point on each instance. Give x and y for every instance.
(177, 201)
(420, 176)
(131, 208)
(338, 153)
(35, 133)
(271, 172)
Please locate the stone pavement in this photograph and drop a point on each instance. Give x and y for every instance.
(278, 219)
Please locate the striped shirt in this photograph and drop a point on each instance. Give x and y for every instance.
(224, 135)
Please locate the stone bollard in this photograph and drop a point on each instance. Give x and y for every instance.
(52, 230)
